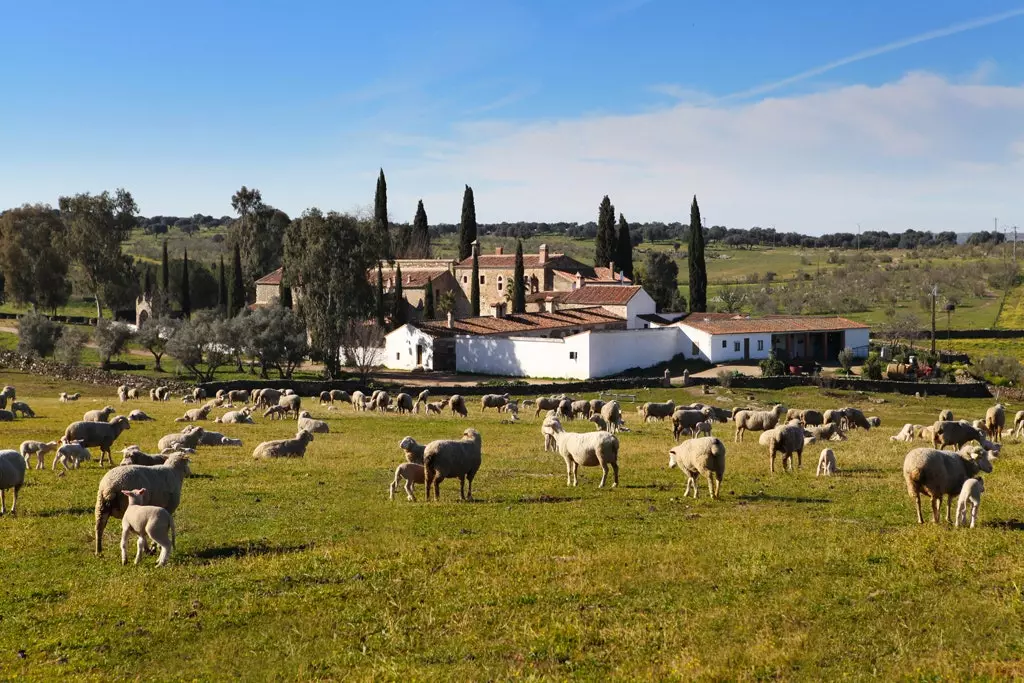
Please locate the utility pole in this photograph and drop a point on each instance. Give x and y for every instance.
(858, 237)
(935, 295)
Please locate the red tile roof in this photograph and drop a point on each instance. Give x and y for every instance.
(411, 279)
(523, 322)
(271, 278)
(602, 295)
(731, 323)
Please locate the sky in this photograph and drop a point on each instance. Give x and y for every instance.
(808, 116)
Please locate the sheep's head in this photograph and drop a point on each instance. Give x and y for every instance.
(471, 435)
(981, 484)
(304, 435)
(672, 458)
(407, 444)
(122, 422)
(779, 409)
(133, 448)
(135, 496)
(551, 426)
(180, 462)
(305, 413)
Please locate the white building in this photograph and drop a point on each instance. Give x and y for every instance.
(629, 302)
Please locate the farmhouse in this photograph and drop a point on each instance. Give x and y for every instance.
(629, 302)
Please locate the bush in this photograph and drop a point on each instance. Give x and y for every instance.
(70, 345)
(111, 338)
(999, 370)
(772, 366)
(845, 359)
(37, 334)
(725, 377)
(873, 367)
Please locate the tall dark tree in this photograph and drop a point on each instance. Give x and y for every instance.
(285, 296)
(380, 219)
(165, 273)
(222, 288)
(398, 300)
(33, 257)
(236, 295)
(259, 233)
(429, 312)
(518, 286)
(467, 227)
(186, 296)
(474, 287)
(420, 239)
(624, 252)
(606, 243)
(698, 269)
(381, 312)
(147, 281)
(661, 279)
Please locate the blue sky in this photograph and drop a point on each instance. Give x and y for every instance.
(542, 106)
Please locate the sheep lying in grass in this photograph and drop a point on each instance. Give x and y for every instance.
(236, 417)
(444, 459)
(827, 432)
(68, 398)
(875, 421)
(826, 463)
(706, 456)
(995, 420)
(189, 437)
(307, 423)
(284, 448)
(590, 449)
(970, 494)
(100, 435)
(73, 453)
(12, 476)
(938, 473)
(757, 420)
(413, 474)
(102, 415)
(162, 483)
(6, 416)
(787, 440)
(150, 523)
(132, 455)
(194, 415)
(906, 434)
(413, 451)
(217, 439)
(139, 416)
(37, 448)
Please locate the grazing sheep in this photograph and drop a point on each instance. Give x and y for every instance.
(549, 439)
(590, 449)
(403, 403)
(98, 415)
(73, 453)
(413, 450)
(564, 410)
(325, 398)
(511, 407)
(808, 418)
(160, 394)
(424, 396)
(457, 404)
(358, 401)
(826, 463)
(276, 412)
(612, 414)
(946, 415)
(101, 435)
(37, 448)
(599, 422)
(826, 432)
(194, 415)
(238, 396)
(700, 456)
(6, 416)
(580, 409)
(927, 433)
(955, 434)
(546, 403)
(685, 419)
(380, 400)
(875, 421)
(995, 420)
(337, 395)
(12, 476)
(855, 418)
(444, 459)
(285, 448)
(307, 423)
(757, 420)
(68, 398)
(190, 437)
(493, 401)
(150, 523)
(595, 406)
(267, 397)
(657, 411)
(413, 474)
(788, 440)
(291, 404)
(906, 434)
(970, 493)
(837, 416)
(162, 484)
(236, 417)
(139, 416)
(938, 473)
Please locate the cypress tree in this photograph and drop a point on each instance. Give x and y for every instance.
(474, 288)
(420, 233)
(147, 281)
(165, 274)
(380, 218)
(467, 227)
(698, 269)
(605, 244)
(428, 301)
(624, 252)
(236, 295)
(186, 295)
(518, 286)
(380, 296)
(222, 288)
(285, 297)
(398, 300)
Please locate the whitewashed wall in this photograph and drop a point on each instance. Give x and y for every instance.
(612, 352)
(640, 304)
(524, 356)
(400, 349)
(710, 346)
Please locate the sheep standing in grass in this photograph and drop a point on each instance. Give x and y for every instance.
(599, 422)
(684, 420)
(413, 451)
(493, 401)
(549, 439)
(445, 459)
(457, 404)
(995, 420)
(12, 476)
(285, 448)
(72, 453)
(325, 398)
(403, 403)
(337, 395)
(37, 448)
(150, 523)
(970, 494)
(590, 449)
(612, 414)
(938, 473)
(855, 418)
(68, 398)
(956, 434)
(413, 474)
(826, 463)
(291, 404)
(358, 401)
(307, 423)
(787, 440)
(580, 409)
(276, 412)
(546, 403)
(700, 456)
(122, 393)
(100, 435)
(564, 410)
(98, 415)
(757, 420)
(837, 417)
(657, 411)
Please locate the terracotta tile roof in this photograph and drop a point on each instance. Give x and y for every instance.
(523, 322)
(271, 278)
(730, 323)
(508, 261)
(557, 295)
(411, 279)
(602, 295)
(591, 275)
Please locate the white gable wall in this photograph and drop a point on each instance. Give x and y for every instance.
(710, 346)
(400, 349)
(612, 352)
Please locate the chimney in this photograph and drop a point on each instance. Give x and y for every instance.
(579, 280)
(498, 310)
(408, 279)
(476, 247)
(611, 267)
(451, 321)
(542, 254)
(499, 251)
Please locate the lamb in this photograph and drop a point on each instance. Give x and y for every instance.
(955, 434)
(612, 414)
(995, 420)
(590, 449)
(190, 437)
(285, 448)
(684, 420)
(546, 403)
(787, 440)
(458, 406)
(413, 450)
(97, 434)
(413, 474)
(906, 434)
(98, 415)
(403, 403)
(493, 401)
(435, 407)
(702, 428)
(12, 476)
(757, 420)
(276, 412)
(149, 523)
(445, 459)
(194, 415)
(875, 421)
(938, 473)
(657, 411)
(307, 423)
(73, 453)
(139, 416)
(599, 422)
(236, 417)
(217, 439)
(68, 398)
(970, 493)
(826, 463)
(700, 456)
(580, 409)
(37, 448)
(946, 415)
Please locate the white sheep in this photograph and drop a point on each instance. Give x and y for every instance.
(413, 474)
(194, 415)
(946, 415)
(906, 434)
(97, 434)
(413, 451)
(284, 448)
(209, 438)
(757, 420)
(149, 523)
(291, 404)
(444, 459)
(545, 403)
(657, 411)
(68, 398)
(403, 403)
(995, 420)
(12, 476)
(612, 414)
(826, 463)
(875, 421)
(590, 449)
(788, 440)
(189, 437)
(139, 416)
(493, 401)
(307, 422)
(457, 404)
(549, 439)
(938, 473)
(685, 419)
(969, 494)
(700, 456)
(98, 415)
(37, 448)
(73, 453)
(238, 417)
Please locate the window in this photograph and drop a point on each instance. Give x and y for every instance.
(465, 279)
(725, 344)
(760, 344)
(694, 350)
(483, 279)
(398, 356)
(501, 282)
(572, 355)
(736, 347)
(646, 326)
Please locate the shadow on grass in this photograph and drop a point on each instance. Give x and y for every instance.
(249, 549)
(70, 512)
(201, 476)
(862, 472)
(757, 497)
(545, 498)
(1007, 524)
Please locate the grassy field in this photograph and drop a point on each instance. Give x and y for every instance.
(1012, 315)
(303, 569)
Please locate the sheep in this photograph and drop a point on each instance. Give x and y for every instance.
(837, 416)
(529, 403)
(97, 434)
(612, 414)
(423, 397)
(511, 407)
(267, 397)
(150, 523)
(457, 404)
(275, 412)
(549, 439)
(969, 493)
(37, 448)
(12, 476)
(855, 418)
(122, 393)
(657, 411)
(413, 474)
(413, 451)
(68, 398)
(826, 463)
(133, 392)
(875, 421)
(808, 417)
(434, 408)
(564, 409)
(162, 484)
(946, 415)
(187, 400)
(6, 416)
(325, 398)
(979, 425)
(827, 432)
(702, 428)
(444, 459)
(284, 448)
(198, 393)
(139, 416)
(160, 394)
(906, 434)
(757, 420)
(236, 417)
(700, 456)
(307, 422)
(581, 409)
(403, 403)
(72, 452)
(190, 437)
(194, 415)
(238, 396)
(927, 433)
(291, 404)
(8, 393)
(98, 415)
(599, 422)
(358, 401)
(955, 434)
(546, 403)
(787, 440)
(684, 420)
(339, 395)
(595, 406)
(493, 401)
(217, 439)
(938, 473)
(133, 456)
(380, 400)
(995, 420)
(590, 449)
(288, 392)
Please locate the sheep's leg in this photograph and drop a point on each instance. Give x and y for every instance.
(961, 513)
(124, 545)
(3, 508)
(771, 460)
(410, 491)
(165, 551)
(936, 505)
(689, 483)
(604, 474)
(974, 512)
(568, 472)
(470, 478)
(391, 489)
(40, 465)
(800, 458)
(141, 548)
(615, 474)
(575, 473)
(711, 485)
(917, 503)
(949, 508)
(462, 487)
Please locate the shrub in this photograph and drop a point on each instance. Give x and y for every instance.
(873, 366)
(726, 377)
(772, 366)
(999, 370)
(846, 359)
(37, 334)
(111, 338)
(70, 345)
